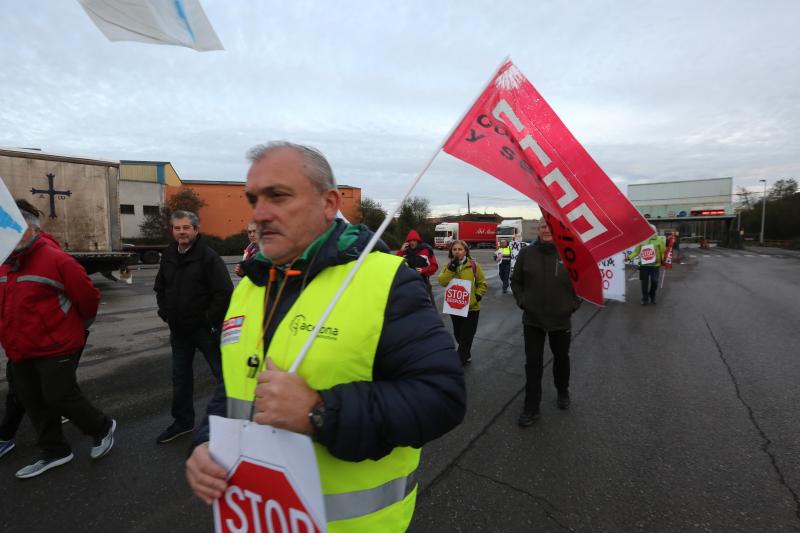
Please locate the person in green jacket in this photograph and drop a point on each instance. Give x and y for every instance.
(650, 253)
(462, 266)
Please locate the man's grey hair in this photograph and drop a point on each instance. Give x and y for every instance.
(185, 214)
(316, 167)
(31, 219)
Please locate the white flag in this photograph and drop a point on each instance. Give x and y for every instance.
(176, 22)
(12, 225)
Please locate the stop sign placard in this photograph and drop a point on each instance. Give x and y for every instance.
(261, 497)
(457, 296)
(648, 254)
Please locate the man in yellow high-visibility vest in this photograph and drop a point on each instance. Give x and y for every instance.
(380, 380)
(503, 258)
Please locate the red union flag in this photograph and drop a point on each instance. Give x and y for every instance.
(667, 262)
(261, 497)
(577, 260)
(514, 135)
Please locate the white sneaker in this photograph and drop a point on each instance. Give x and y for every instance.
(42, 466)
(105, 444)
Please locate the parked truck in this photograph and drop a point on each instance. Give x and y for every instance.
(517, 229)
(79, 201)
(475, 234)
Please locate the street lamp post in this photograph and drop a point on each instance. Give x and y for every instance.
(763, 211)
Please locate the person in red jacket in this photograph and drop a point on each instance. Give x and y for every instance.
(46, 302)
(14, 410)
(420, 257)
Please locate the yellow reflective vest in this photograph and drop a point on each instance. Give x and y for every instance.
(359, 496)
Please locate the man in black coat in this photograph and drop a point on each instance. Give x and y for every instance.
(193, 289)
(543, 290)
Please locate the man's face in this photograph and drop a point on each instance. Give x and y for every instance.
(183, 231)
(288, 210)
(413, 243)
(27, 238)
(544, 232)
(252, 232)
(503, 243)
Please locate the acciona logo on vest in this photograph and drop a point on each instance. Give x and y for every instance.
(299, 324)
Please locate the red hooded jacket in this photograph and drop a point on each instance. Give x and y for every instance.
(45, 298)
(421, 257)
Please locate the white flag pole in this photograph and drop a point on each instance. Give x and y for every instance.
(662, 277)
(371, 244)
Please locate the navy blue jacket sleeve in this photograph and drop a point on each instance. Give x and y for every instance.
(417, 393)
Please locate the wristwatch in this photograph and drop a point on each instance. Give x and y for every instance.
(317, 416)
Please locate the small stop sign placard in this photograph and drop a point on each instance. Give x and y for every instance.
(457, 296)
(648, 254)
(262, 498)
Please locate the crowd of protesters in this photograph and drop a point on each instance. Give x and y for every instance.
(402, 384)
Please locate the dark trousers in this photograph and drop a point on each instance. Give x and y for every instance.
(534, 363)
(505, 273)
(15, 411)
(464, 328)
(430, 290)
(48, 388)
(648, 275)
(184, 343)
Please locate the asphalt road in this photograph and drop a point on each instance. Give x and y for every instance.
(684, 418)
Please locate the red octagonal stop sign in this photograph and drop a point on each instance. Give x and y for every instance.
(457, 296)
(261, 497)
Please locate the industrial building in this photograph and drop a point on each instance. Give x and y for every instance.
(692, 207)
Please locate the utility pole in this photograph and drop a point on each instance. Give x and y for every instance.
(763, 211)
(468, 203)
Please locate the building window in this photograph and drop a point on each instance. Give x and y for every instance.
(126, 209)
(150, 210)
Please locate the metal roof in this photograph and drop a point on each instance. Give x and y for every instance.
(31, 153)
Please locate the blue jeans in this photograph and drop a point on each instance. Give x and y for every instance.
(184, 343)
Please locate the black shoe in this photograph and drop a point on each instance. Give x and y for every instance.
(653, 300)
(173, 432)
(644, 301)
(563, 400)
(528, 418)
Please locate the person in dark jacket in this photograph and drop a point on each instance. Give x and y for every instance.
(193, 288)
(46, 302)
(420, 256)
(543, 290)
(415, 391)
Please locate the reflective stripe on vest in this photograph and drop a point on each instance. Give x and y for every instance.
(359, 496)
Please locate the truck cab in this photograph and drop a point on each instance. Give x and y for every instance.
(445, 234)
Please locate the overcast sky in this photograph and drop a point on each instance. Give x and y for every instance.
(655, 91)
